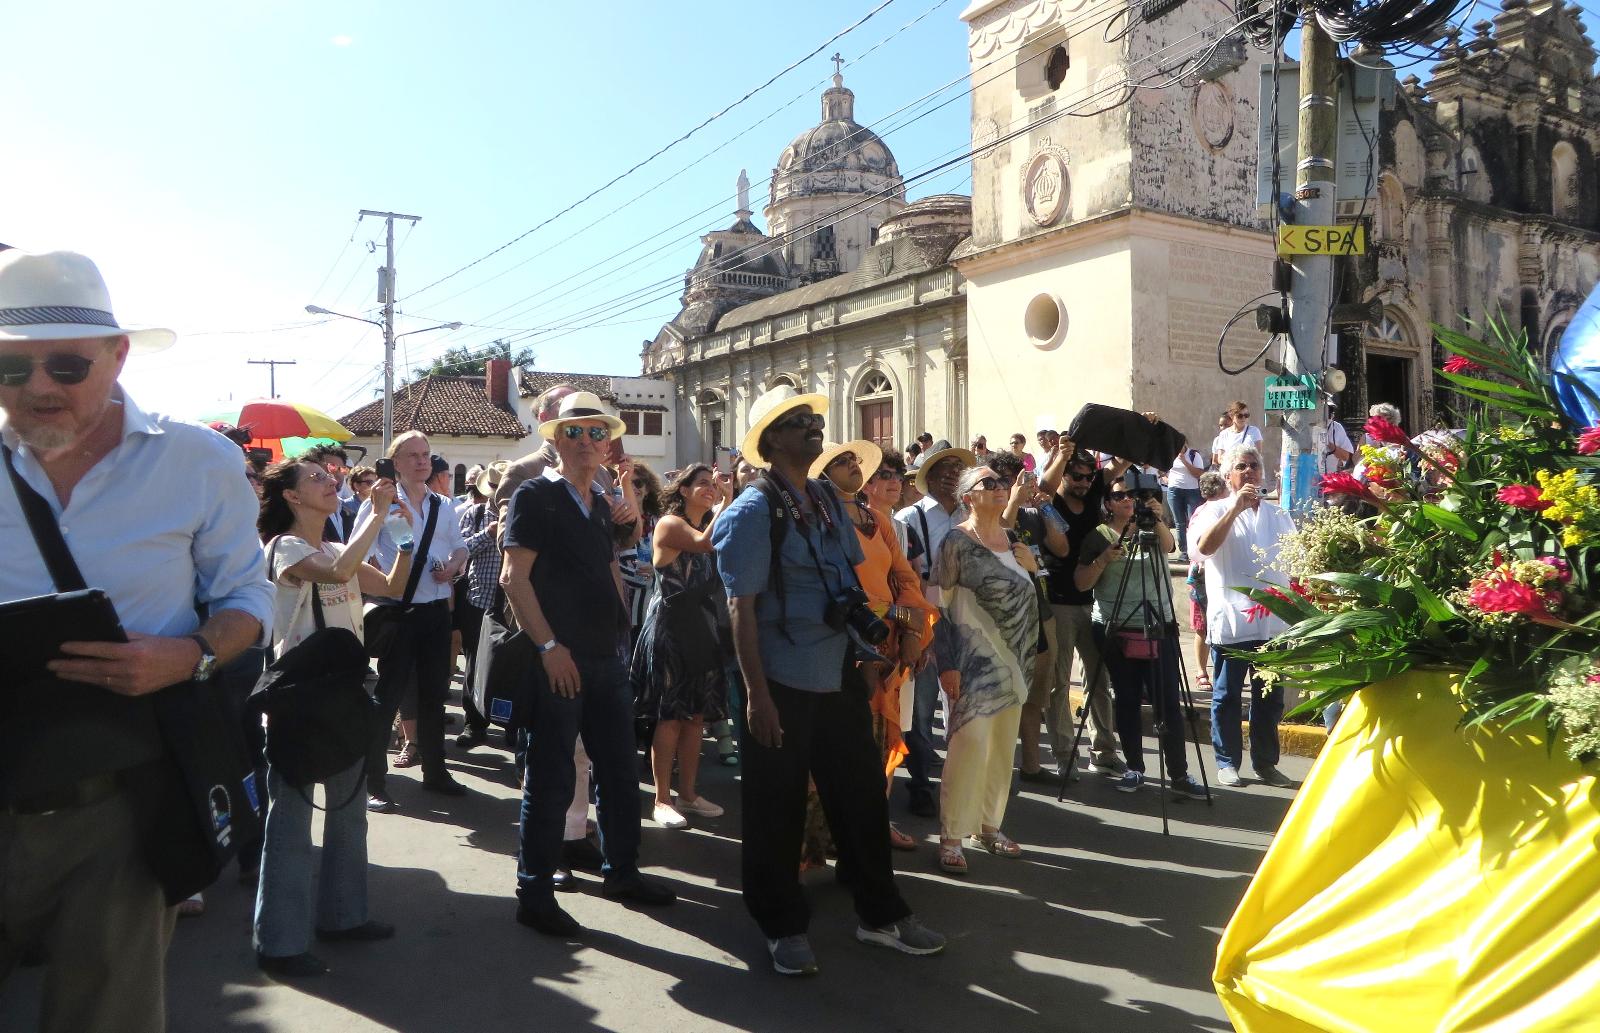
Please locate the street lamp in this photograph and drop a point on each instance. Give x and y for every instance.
(389, 337)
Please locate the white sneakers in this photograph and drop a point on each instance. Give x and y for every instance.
(670, 817)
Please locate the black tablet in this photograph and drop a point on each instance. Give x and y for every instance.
(32, 630)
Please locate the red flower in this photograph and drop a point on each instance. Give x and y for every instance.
(1461, 364)
(1254, 612)
(1589, 442)
(1344, 484)
(1380, 429)
(1523, 496)
(1499, 592)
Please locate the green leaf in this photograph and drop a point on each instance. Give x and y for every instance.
(1436, 608)
(1368, 589)
(1491, 386)
(1447, 521)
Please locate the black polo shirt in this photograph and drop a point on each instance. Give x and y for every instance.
(1063, 589)
(572, 573)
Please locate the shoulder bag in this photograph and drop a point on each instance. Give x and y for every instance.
(378, 626)
(319, 715)
(196, 805)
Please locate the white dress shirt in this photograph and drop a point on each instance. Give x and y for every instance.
(446, 540)
(1229, 617)
(166, 520)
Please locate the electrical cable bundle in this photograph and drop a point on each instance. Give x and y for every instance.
(1382, 22)
(1266, 22)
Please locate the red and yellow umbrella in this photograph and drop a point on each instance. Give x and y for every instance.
(271, 420)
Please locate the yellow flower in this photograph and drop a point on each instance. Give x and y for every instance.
(1575, 506)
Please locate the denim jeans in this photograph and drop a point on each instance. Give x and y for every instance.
(284, 908)
(602, 713)
(1183, 502)
(1227, 692)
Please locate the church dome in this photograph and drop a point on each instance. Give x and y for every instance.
(836, 156)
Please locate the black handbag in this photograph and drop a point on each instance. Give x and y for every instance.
(380, 625)
(507, 672)
(199, 803)
(319, 715)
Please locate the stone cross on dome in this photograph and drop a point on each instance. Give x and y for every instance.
(838, 69)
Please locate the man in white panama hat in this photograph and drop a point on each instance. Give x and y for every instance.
(563, 584)
(118, 484)
(807, 704)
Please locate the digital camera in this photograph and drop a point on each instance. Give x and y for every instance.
(850, 611)
(1143, 487)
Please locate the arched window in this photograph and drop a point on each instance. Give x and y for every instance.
(1564, 197)
(785, 378)
(875, 408)
(461, 479)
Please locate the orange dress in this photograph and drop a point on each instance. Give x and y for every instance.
(887, 578)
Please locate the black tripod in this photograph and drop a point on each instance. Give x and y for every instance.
(1153, 627)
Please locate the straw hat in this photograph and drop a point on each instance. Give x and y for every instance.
(488, 478)
(579, 405)
(941, 450)
(768, 409)
(869, 455)
(61, 296)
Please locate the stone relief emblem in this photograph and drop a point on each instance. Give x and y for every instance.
(985, 131)
(1212, 115)
(885, 260)
(1045, 186)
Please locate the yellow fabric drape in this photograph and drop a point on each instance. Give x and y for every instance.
(1424, 879)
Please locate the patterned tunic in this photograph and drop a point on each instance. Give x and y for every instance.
(993, 627)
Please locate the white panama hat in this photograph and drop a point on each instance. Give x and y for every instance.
(61, 296)
(579, 405)
(869, 455)
(767, 410)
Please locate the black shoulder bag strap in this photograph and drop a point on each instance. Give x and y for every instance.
(46, 532)
(927, 544)
(419, 556)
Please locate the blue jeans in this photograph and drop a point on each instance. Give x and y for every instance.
(919, 738)
(1183, 502)
(284, 906)
(602, 712)
(1227, 692)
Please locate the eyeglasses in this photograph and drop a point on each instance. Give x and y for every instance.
(1241, 416)
(362, 482)
(888, 473)
(845, 457)
(806, 420)
(1246, 466)
(63, 368)
(1071, 476)
(1119, 496)
(317, 477)
(989, 484)
(572, 433)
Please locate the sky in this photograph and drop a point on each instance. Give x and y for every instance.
(211, 158)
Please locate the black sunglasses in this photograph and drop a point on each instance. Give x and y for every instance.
(65, 368)
(1080, 476)
(888, 473)
(806, 420)
(1246, 466)
(595, 433)
(844, 457)
(1119, 496)
(989, 484)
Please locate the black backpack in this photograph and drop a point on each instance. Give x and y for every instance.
(319, 715)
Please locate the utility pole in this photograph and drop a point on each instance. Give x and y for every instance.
(1304, 433)
(386, 295)
(272, 372)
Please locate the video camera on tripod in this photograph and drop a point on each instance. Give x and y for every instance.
(1143, 487)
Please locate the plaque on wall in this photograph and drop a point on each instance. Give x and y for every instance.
(1212, 114)
(1045, 186)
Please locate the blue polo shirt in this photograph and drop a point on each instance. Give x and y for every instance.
(811, 655)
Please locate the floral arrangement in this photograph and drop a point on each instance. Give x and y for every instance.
(1478, 550)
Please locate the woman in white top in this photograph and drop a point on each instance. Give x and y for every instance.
(1183, 494)
(1240, 431)
(296, 500)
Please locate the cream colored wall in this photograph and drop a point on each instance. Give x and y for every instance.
(1187, 280)
(1012, 382)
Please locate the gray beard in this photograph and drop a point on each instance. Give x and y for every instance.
(47, 439)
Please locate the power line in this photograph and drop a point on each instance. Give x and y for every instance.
(639, 165)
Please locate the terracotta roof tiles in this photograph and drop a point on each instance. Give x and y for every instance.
(439, 405)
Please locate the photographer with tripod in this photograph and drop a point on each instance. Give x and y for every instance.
(1124, 564)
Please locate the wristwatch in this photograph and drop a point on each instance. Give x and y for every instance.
(208, 660)
(407, 547)
(547, 646)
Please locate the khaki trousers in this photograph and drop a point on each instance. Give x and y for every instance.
(76, 882)
(1075, 635)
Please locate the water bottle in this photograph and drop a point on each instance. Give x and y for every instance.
(398, 526)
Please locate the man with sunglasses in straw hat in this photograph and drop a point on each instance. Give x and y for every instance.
(563, 584)
(807, 710)
(119, 482)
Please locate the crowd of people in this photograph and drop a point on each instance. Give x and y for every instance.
(810, 606)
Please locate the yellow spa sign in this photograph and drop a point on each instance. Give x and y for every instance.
(1321, 240)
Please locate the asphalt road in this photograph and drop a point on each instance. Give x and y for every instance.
(1104, 924)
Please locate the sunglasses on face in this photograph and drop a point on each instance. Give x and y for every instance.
(847, 457)
(1119, 496)
(64, 368)
(989, 484)
(886, 474)
(806, 420)
(317, 477)
(1246, 466)
(1074, 476)
(364, 482)
(572, 433)
(1241, 416)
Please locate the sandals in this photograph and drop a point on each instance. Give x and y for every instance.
(1203, 680)
(997, 843)
(408, 756)
(899, 840)
(952, 860)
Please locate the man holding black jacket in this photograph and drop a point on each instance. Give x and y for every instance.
(75, 873)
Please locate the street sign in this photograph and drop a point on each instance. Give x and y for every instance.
(1290, 392)
(1321, 240)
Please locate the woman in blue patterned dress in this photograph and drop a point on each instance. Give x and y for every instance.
(989, 600)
